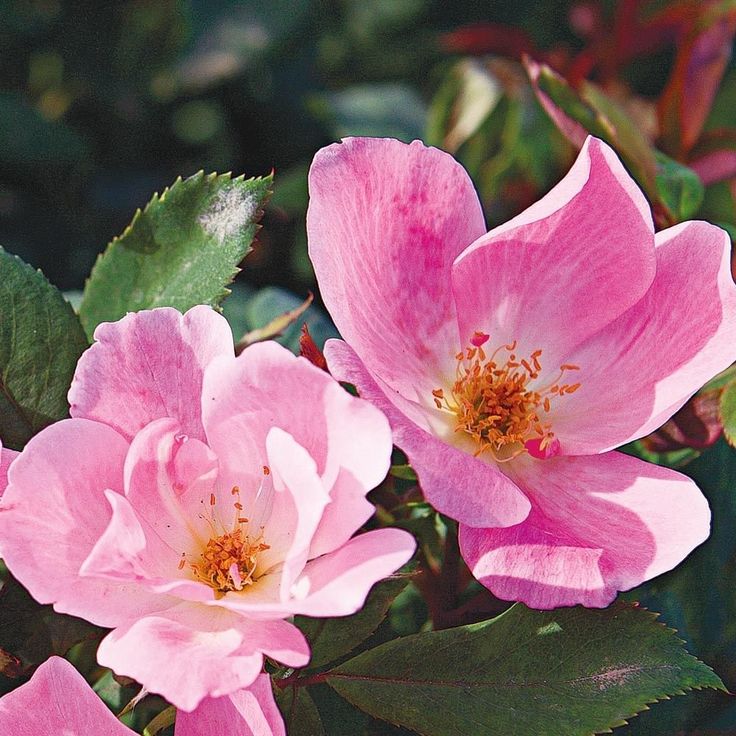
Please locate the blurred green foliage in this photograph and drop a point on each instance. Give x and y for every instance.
(103, 103)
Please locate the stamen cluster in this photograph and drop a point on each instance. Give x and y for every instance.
(494, 400)
(229, 560)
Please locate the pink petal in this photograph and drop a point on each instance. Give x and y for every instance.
(265, 386)
(57, 701)
(562, 269)
(224, 649)
(52, 514)
(245, 397)
(338, 583)
(385, 222)
(598, 525)
(248, 712)
(117, 553)
(169, 480)
(643, 367)
(453, 481)
(297, 483)
(6, 457)
(149, 365)
(359, 457)
(346, 512)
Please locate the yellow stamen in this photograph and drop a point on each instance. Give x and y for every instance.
(229, 560)
(495, 402)
(224, 551)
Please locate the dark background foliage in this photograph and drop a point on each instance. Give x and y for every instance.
(101, 103)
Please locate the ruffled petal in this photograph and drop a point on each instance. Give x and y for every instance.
(52, 514)
(358, 459)
(55, 701)
(453, 481)
(245, 397)
(149, 365)
(563, 268)
(599, 524)
(224, 649)
(170, 479)
(265, 386)
(248, 712)
(641, 368)
(385, 222)
(338, 583)
(117, 553)
(298, 486)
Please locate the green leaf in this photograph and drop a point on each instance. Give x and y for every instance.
(332, 638)
(404, 471)
(163, 720)
(679, 187)
(299, 711)
(183, 249)
(728, 413)
(247, 312)
(40, 342)
(565, 672)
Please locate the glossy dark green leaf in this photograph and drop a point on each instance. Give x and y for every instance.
(182, 249)
(332, 638)
(299, 712)
(565, 672)
(40, 342)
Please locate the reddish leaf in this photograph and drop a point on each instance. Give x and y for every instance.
(589, 110)
(566, 109)
(714, 158)
(701, 60)
(716, 166)
(697, 425)
(488, 38)
(309, 350)
(10, 665)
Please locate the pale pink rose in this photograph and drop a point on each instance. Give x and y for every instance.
(196, 501)
(509, 363)
(57, 701)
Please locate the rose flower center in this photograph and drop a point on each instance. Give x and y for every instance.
(229, 559)
(496, 402)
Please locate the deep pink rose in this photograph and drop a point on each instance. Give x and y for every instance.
(196, 501)
(511, 362)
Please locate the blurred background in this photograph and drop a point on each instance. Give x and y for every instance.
(102, 103)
